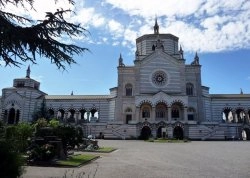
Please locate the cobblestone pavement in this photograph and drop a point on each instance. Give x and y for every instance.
(136, 159)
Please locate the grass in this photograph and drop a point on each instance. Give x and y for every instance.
(76, 160)
(164, 140)
(102, 150)
(105, 149)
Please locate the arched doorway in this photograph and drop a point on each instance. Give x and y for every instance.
(178, 133)
(11, 118)
(245, 134)
(162, 132)
(145, 133)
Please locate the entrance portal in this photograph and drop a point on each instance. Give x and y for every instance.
(178, 133)
(145, 133)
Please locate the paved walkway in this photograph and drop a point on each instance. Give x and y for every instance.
(137, 159)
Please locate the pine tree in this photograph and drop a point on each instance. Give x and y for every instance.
(20, 42)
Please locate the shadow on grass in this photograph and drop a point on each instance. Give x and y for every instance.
(72, 161)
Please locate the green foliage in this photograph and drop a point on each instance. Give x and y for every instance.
(18, 135)
(68, 135)
(42, 122)
(54, 123)
(45, 152)
(11, 162)
(23, 38)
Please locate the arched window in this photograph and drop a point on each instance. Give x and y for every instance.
(175, 112)
(189, 89)
(190, 112)
(128, 115)
(129, 89)
(145, 112)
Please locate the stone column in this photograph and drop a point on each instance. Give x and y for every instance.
(169, 114)
(65, 117)
(153, 114)
(247, 118)
(137, 114)
(185, 115)
(88, 116)
(234, 117)
(77, 117)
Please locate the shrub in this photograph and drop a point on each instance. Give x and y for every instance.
(11, 162)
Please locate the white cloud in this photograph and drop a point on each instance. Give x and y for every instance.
(149, 8)
(115, 28)
(205, 26)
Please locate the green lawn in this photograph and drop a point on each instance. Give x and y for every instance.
(105, 149)
(76, 160)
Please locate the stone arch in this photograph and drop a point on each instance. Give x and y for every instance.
(128, 89)
(227, 114)
(60, 114)
(11, 116)
(162, 102)
(177, 110)
(51, 113)
(94, 113)
(83, 115)
(161, 110)
(240, 115)
(145, 102)
(145, 132)
(179, 102)
(146, 110)
(245, 133)
(71, 115)
(178, 132)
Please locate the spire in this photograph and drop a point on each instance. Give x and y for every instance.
(156, 27)
(181, 52)
(196, 60)
(28, 72)
(72, 93)
(241, 92)
(121, 61)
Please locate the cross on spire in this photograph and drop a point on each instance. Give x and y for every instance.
(156, 27)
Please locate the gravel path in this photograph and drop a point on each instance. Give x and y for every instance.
(136, 159)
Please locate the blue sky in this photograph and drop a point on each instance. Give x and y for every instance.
(219, 30)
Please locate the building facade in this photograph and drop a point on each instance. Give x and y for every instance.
(159, 96)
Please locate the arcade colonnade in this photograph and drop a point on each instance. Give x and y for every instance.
(81, 115)
(236, 115)
(161, 111)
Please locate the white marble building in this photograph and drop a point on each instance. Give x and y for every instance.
(160, 95)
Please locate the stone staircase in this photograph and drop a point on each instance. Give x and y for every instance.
(203, 132)
(118, 131)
